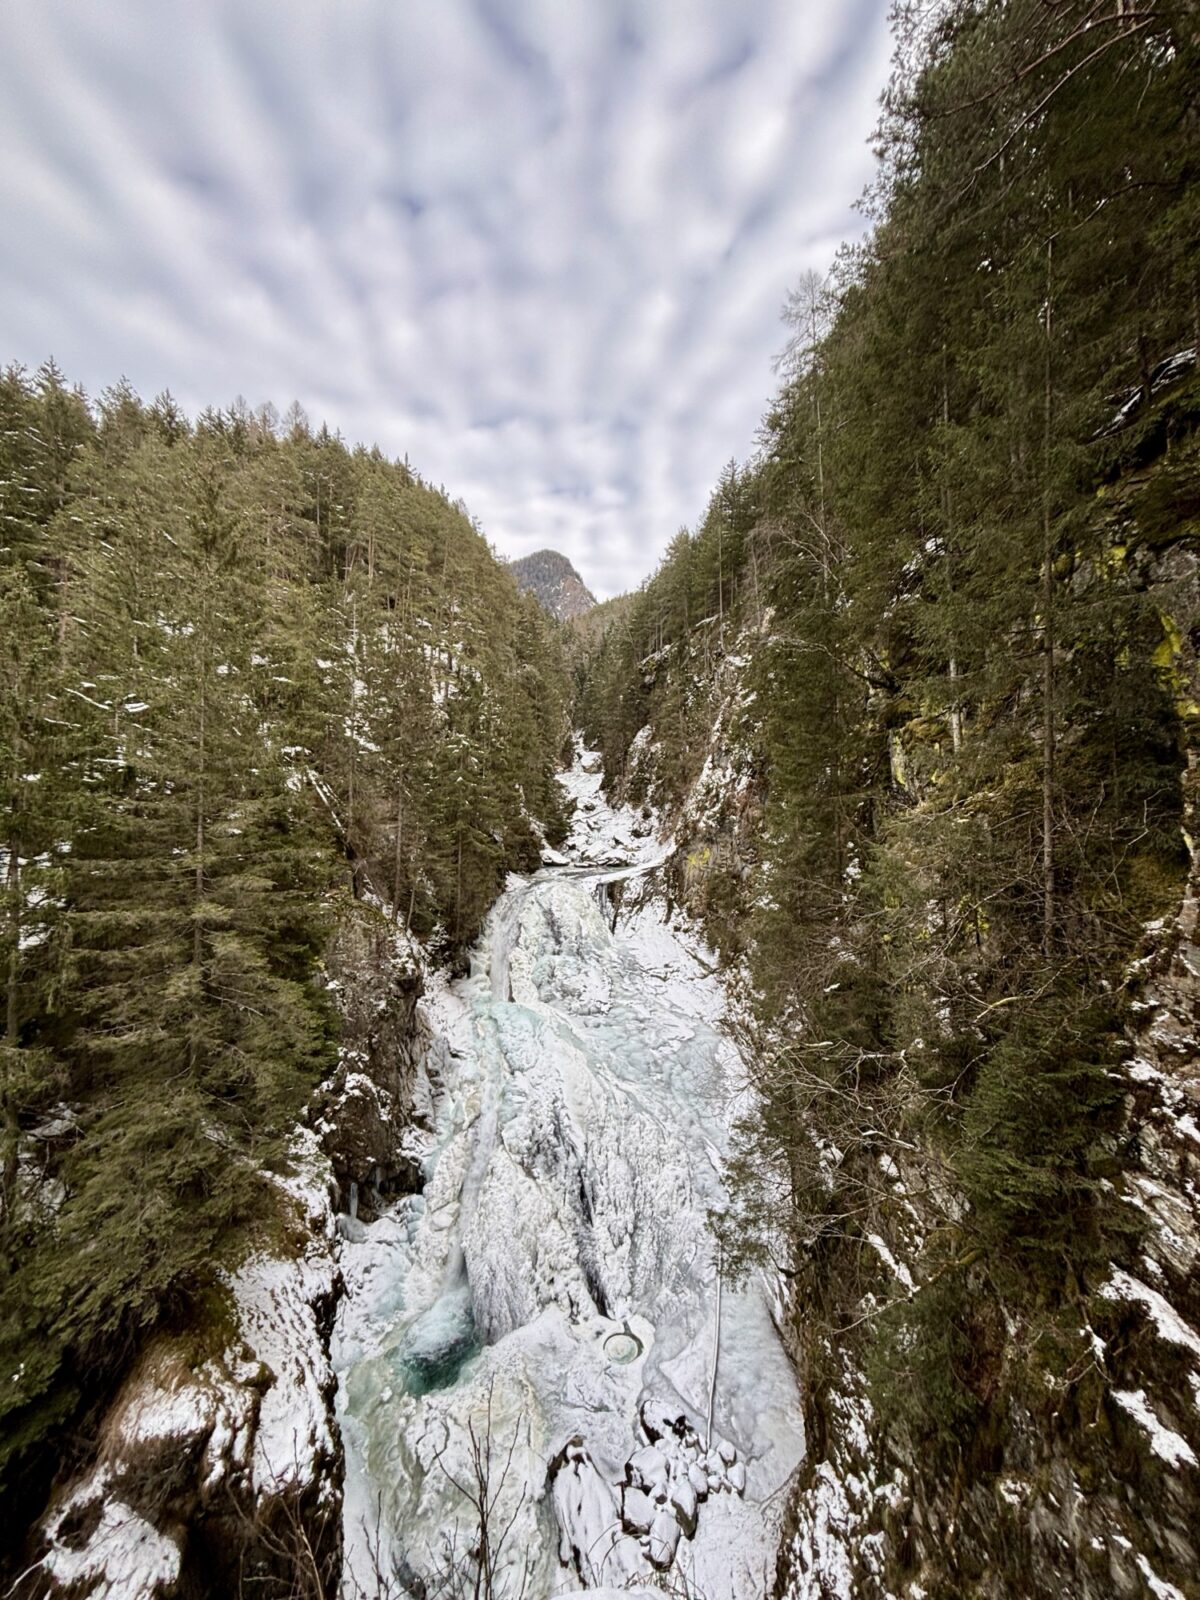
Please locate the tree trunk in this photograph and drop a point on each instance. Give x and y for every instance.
(351, 853)
(458, 889)
(955, 710)
(197, 935)
(11, 1030)
(198, 883)
(720, 586)
(948, 518)
(1048, 751)
(399, 850)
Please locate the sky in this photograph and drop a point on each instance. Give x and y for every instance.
(538, 246)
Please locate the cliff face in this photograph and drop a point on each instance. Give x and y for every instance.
(1076, 1472)
(218, 1462)
(1080, 1477)
(554, 584)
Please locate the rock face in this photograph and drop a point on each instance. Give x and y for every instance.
(1093, 1487)
(218, 1464)
(217, 1468)
(1085, 1482)
(379, 1099)
(554, 584)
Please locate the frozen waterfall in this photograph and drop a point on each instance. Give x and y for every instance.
(539, 1325)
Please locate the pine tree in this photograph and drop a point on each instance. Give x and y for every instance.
(29, 784)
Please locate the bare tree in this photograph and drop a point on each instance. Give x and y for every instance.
(472, 1556)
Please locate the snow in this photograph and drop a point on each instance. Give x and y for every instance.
(897, 1268)
(277, 1299)
(123, 1558)
(636, 1593)
(1169, 1446)
(1142, 1072)
(601, 835)
(555, 1287)
(821, 1547)
(259, 1411)
(1167, 1321)
(834, 1510)
(1158, 1586)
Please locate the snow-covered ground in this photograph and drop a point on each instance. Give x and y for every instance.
(545, 1318)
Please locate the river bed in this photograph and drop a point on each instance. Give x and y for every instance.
(545, 1327)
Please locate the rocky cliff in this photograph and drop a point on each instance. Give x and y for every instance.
(554, 584)
(217, 1467)
(1076, 1469)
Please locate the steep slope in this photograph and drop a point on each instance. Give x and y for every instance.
(555, 585)
(921, 695)
(973, 1433)
(270, 709)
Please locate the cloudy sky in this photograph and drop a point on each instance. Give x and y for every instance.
(538, 245)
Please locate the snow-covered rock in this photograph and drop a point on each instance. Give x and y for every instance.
(240, 1440)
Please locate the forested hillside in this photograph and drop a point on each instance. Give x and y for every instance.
(256, 686)
(921, 692)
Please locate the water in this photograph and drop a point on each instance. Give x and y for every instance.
(436, 1347)
(542, 1322)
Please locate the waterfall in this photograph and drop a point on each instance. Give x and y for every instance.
(556, 1294)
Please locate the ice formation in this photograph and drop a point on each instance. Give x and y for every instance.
(545, 1316)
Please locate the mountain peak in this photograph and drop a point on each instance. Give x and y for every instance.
(553, 582)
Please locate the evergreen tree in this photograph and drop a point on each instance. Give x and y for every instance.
(247, 678)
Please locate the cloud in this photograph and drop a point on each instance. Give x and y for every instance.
(539, 248)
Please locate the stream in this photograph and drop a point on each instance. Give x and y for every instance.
(545, 1328)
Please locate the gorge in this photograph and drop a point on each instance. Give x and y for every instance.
(504, 1096)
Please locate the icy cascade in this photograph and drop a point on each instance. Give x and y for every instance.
(543, 1317)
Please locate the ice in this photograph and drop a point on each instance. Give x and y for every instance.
(439, 1343)
(556, 1293)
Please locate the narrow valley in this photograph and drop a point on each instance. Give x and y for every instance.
(629, 1026)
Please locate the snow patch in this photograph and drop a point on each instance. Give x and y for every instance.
(122, 1558)
(1169, 1446)
(1122, 1286)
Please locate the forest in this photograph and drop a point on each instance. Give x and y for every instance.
(256, 685)
(920, 690)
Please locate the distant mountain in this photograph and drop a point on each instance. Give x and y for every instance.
(554, 584)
